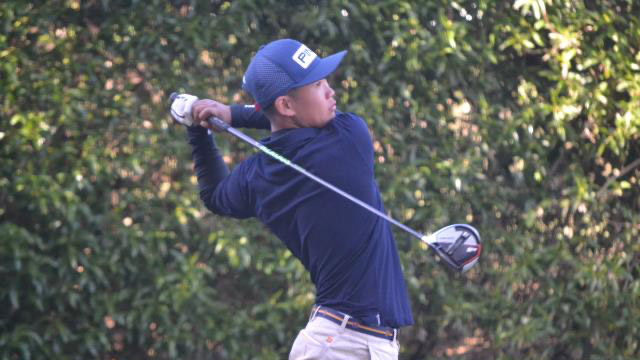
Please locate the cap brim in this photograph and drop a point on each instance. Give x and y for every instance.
(323, 69)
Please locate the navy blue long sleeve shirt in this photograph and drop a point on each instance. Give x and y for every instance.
(349, 252)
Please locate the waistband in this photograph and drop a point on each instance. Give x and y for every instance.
(345, 321)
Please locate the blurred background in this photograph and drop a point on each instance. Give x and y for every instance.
(521, 118)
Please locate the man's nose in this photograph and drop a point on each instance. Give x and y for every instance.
(330, 91)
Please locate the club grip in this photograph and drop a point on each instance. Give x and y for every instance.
(218, 123)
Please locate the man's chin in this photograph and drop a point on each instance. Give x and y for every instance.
(328, 120)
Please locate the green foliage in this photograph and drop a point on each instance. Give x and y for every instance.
(522, 118)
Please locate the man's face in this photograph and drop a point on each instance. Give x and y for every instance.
(314, 104)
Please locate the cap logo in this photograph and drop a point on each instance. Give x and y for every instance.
(304, 56)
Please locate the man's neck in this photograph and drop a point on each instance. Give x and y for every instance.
(280, 123)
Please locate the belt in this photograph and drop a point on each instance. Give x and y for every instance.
(339, 318)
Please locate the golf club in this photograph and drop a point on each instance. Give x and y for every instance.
(459, 245)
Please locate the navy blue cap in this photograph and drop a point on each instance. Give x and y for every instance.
(284, 65)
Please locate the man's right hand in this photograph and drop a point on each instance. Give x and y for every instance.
(206, 108)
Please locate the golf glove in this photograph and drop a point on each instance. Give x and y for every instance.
(181, 109)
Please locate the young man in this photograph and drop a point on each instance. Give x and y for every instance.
(350, 253)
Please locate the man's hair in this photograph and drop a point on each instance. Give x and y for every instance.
(271, 112)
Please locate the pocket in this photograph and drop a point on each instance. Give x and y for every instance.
(307, 347)
(384, 350)
(310, 338)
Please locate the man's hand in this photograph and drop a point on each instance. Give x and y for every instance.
(202, 110)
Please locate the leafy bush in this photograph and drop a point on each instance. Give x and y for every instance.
(521, 118)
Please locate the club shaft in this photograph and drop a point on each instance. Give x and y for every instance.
(429, 240)
(235, 132)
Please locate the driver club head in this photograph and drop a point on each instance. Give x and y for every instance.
(459, 245)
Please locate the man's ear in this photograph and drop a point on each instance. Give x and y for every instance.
(283, 106)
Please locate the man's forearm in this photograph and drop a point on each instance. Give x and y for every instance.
(209, 166)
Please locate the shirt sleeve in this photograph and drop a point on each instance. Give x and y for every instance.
(357, 132)
(246, 116)
(222, 192)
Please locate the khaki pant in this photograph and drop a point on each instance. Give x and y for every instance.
(323, 339)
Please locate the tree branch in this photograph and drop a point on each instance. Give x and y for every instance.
(634, 164)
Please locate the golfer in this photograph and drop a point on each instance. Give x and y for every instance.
(361, 298)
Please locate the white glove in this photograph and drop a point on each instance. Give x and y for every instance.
(181, 108)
